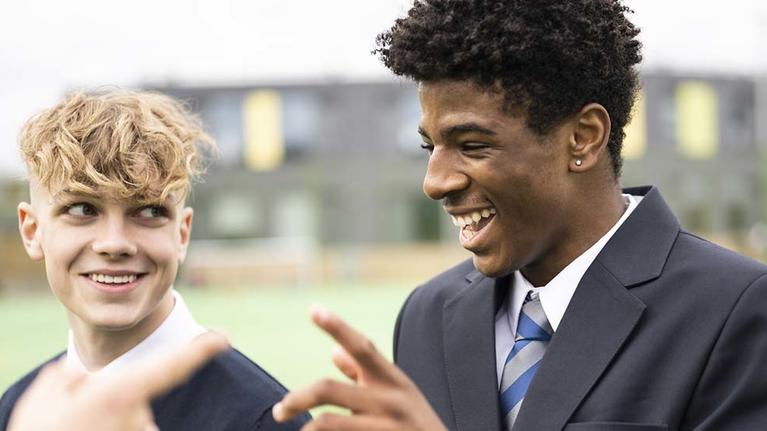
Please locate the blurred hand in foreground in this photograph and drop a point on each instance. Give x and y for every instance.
(66, 400)
(381, 398)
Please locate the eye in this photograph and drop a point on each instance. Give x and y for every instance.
(473, 146)
(153, 212)
(428, 147)
(81, 209)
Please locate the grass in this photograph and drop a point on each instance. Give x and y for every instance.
(270, 325)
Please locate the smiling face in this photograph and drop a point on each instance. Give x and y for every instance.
(110, 262)
(508, 189)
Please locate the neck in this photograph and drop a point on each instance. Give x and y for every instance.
(590, 222)
(97, 346)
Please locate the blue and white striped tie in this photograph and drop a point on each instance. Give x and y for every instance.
(533, 335)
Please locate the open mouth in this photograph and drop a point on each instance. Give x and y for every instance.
(472, 223)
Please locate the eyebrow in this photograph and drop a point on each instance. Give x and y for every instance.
(66, 195)
(460, 128)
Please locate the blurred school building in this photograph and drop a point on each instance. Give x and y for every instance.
(321, 182)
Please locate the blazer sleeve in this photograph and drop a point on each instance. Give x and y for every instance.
(732, 391)
(267, 423)
(398, 324)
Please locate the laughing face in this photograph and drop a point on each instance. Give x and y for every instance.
(506, 188)
(110, 262)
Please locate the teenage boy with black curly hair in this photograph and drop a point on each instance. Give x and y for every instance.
(585, 307)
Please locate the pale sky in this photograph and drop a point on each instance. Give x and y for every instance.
(49, 46)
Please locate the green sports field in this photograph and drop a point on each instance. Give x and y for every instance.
(270, 325)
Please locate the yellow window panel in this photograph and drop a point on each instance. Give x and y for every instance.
(264, 141)
(635, 142)
(697, 119)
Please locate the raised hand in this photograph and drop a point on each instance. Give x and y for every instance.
(64, 400)
(381, 396)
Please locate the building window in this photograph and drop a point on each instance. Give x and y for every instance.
(300, 122)
(231, 216)
(223, 121)
(738, 108)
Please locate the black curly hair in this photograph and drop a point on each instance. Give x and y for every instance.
(548, 57)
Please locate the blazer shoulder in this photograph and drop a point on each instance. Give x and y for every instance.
(709, 258)
(229, 393)
(242, 371)
(17, 389)
(443, 286)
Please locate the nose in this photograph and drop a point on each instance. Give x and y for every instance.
(113, 241)
(443, 175)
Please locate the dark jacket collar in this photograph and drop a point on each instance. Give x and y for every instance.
(640, 247)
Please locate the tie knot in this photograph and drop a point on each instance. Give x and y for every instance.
(533, 324)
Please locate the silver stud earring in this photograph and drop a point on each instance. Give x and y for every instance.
(578, 162)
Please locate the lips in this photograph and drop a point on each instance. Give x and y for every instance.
(111, 281)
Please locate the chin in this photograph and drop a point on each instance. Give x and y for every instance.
(491, 266)
(115, 326)
(113, 321)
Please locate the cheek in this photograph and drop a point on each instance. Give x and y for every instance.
(162, 247)
(530, 205)
(62, 247)
(61, 252)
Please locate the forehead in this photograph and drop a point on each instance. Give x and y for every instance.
(446, 103)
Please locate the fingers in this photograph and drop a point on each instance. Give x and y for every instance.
(344, 362)
(337, 422)
(149, 423)
(321, 393)
(58, 377)
(154, 377)
(357, 345)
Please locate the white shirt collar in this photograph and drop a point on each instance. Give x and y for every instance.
(556, 295)
(178, 328)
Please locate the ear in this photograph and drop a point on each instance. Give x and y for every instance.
(30, 231)
(185, 230)
(590, 136)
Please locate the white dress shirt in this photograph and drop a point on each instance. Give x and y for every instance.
(177, 329)
(555, 296)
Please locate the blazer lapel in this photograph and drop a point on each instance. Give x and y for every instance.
(469, 337)
(601, 315)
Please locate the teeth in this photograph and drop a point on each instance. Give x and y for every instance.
(113, 279)
(472, 218)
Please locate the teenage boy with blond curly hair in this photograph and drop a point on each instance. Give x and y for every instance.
(109, 174)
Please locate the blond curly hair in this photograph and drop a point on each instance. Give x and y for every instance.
(125, 144)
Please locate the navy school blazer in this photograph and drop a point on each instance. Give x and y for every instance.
(665, 331)
(231, 393)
